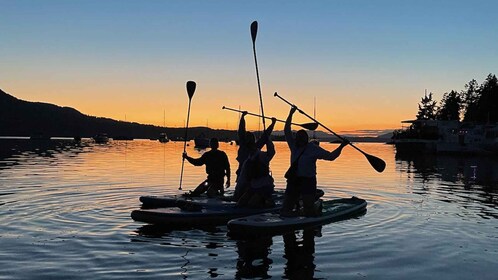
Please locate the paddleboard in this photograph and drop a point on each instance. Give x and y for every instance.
(273, 223)
(150, 201)
(204, 216)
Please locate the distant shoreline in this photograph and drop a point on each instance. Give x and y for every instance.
(322, 140)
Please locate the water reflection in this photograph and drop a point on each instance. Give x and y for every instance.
(15, 151)
(299, 248)
(299, 252)
(429, 218)
(156, 231)
(253, 260)
(456, 169)
(471, 182)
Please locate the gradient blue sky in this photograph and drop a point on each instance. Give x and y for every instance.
(366, 62)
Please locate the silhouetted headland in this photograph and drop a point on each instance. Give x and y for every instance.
(23, 118)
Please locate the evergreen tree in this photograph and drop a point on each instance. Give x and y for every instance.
(470, 100)
(427, 108)
(488, 101)
(450, 107)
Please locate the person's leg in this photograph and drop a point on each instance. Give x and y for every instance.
(200, 189)
(215, 187)
(256, 201)
(291, 197)
(309, 197)
(267, 192)
(309, 205)
(244, 199)
(240, 189)
(240, 183)
(219, 184)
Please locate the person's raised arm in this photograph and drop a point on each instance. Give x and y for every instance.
(242, 129)
(266, 134)
(287, 127)
(270, 150)
(227, 171)
(326, 155)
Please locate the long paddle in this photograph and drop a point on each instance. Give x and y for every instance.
(308, 126)
(254, 32)
(190, 91)
(378, 164)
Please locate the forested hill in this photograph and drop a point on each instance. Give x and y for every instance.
(23, 118)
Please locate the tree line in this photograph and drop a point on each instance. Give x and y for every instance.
(476, 103)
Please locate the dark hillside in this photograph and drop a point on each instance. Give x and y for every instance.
(23, 118)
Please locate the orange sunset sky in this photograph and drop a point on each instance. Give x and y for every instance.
(367, 63)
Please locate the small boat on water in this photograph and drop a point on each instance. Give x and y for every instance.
(101, 138)
(163, 138)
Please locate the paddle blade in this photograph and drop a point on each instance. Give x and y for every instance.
(378, 164)
(310, 126)
(254, 30)
(190, 89)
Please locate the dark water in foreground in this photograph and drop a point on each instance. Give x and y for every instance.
(65, 214)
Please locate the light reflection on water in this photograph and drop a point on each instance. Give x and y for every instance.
(64, 213)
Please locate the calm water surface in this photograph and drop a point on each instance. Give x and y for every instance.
(65, 214)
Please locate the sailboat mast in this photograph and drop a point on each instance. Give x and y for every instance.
(314, 114)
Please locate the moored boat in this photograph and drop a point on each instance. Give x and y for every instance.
(163, 138)
(101, 138)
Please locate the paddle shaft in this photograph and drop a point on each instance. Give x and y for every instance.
(313, 119)
(254, 31)
(191, 85)
(185, 142)
(256, 115)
